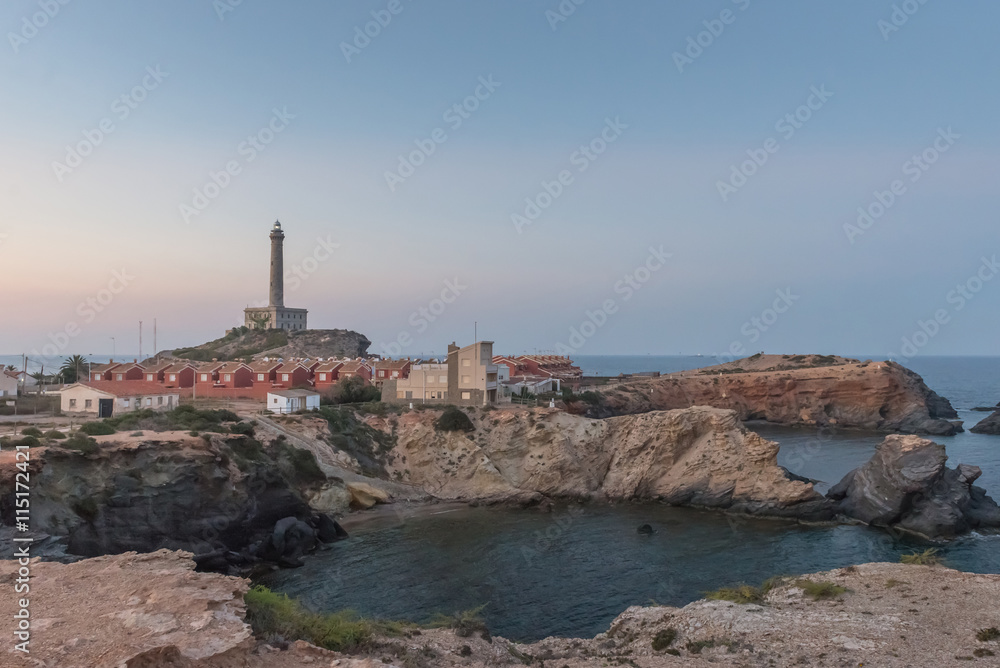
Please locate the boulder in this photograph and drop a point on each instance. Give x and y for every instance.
(365, 496)
(907, 486)
(990, 425)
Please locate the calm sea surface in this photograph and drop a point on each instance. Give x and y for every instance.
(572, 571)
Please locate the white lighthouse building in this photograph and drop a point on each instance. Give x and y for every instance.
(275, 315)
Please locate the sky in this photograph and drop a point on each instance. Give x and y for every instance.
(584, 177)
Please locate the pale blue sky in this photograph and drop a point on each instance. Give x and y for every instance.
(656, 185)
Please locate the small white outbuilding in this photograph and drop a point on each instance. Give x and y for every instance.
(291, 401)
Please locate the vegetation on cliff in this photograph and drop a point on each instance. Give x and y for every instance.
(244, 343)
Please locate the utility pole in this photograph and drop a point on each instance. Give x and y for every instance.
(140, 341)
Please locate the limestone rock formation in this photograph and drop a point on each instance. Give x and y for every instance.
(109, 611)
(907, 486)
(989, 425)
(698, 456)
(816, 391)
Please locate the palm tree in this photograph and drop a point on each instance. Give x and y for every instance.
(70, 370)
(11, 368)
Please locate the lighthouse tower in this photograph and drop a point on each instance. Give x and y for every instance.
(275, 315)
(277, 267)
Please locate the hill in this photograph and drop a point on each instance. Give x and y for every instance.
(254, 343)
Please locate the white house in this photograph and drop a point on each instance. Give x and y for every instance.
(8, 383)
(290, 401)
(105, 399)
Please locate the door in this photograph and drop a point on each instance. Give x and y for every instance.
(105, 408)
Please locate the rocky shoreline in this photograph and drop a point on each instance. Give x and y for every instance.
(146, 610)
(795, 390)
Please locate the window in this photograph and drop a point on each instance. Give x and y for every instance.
(466, 380)
(173, 377)
(466, 395)
(466, 362)
(322, 376)
(229, 377)
(159, 401)
(395, 374)
(276, 400)
(444, 379)
(125, 402)
(149, 401)
(89, 403)
(119, 376)
(149, 376)
(72, 403)
(284, 376)
(204, 377)
(260, 377)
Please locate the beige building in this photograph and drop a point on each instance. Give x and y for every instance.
(426, 382)
(468, 378)
(106, 399)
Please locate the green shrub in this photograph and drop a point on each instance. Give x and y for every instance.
(245, 428)
(275, 615)
(820, 590)
(664, 639)
(928, 557)
(27, 441)
(32, 431)
(744, 593)
(454, 419)
(55, 434)
(97, 428)
(81, 443)
(305, 468)
(464, 623)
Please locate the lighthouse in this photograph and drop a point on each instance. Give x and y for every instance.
(277, 266)
(275, 315)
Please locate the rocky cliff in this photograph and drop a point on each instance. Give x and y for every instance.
(698, 456)
(150, 610)
(906, 486)
(246, 344)
(219, 497)
(794, 390)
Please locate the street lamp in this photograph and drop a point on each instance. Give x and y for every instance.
(113, 346)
